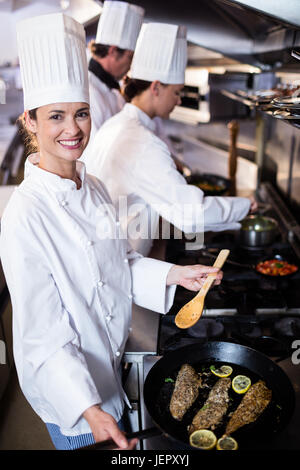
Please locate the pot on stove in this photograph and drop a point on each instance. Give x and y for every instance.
(258, 230)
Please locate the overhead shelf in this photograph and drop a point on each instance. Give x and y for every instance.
(264, 108)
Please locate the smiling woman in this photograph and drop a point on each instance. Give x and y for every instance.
(71, 291)
(60, 132)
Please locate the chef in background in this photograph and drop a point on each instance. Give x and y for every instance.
(112, 52)
(136, 164)
(72, 285)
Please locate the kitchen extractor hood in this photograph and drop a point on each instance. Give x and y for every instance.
(84, 11)
(262, 33)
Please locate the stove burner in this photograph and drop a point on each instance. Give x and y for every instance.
(288, 326)
(206, 328)
(251, 331)
(256, 250)
(247, 297)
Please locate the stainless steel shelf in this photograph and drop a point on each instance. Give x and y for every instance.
(259, 107)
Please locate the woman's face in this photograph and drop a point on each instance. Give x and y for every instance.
(62, 129)
(168, 97)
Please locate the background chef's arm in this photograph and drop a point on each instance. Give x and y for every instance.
(50, 346)
(159, 183)
(149, 278)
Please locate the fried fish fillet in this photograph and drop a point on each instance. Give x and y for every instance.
(215, 407)
(251, 407)
(185, 392)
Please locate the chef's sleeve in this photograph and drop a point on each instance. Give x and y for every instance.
(149, 278)
(182, 204)
(50, 345)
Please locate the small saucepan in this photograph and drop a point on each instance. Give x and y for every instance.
(210, 184)
(258, 230)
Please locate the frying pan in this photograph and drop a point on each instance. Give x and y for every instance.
(200, 178)
(253, 266)
(243, 359)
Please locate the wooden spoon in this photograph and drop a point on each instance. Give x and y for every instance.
(190, 313)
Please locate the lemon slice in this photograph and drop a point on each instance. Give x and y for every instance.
(203, 439)
(227, 443)
(241, 383)
(223, 371)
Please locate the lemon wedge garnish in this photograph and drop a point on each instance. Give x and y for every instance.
(241, 384)
(223, 371)
(227, 443)
(203, 439)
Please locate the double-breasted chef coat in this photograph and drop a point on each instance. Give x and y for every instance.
(106, 100)
(72, 291)
(136, 164)
(105, 96)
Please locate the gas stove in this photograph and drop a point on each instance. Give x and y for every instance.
(246, 308)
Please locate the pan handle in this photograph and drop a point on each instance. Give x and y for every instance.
(206, 254)
(111, 445)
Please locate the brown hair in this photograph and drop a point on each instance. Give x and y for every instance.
(30, 139)
(134, 87)
(101, 50)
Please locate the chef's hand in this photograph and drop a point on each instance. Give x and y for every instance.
(192, 277)
(105, 427)
(253, 205)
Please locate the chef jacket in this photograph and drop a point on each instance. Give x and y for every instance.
(106, 100)
(135, 163)
(105, 97)
(72, 291)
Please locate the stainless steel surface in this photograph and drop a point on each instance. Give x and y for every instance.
(143, 336)
(142, 343)
(288, 226)
(283, 10)
(257, 230)
(236, 29)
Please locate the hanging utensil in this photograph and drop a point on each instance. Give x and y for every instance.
(190, 313)
(233, 127)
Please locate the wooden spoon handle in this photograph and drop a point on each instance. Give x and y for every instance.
(233, 127)
(222, 257)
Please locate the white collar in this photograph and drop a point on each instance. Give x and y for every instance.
(57, 183)
(133, 111)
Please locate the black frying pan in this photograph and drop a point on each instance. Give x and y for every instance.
(210, 184)
(277, 256)
(244, 360)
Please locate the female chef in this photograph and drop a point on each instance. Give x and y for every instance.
(136, 164)
(71, 290)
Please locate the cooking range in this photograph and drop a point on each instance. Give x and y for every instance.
(247, 308)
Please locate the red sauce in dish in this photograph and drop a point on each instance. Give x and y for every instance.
(275, 267)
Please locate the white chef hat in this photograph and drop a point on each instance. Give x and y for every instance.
(53, 63)
(160, 53)
(119, 24)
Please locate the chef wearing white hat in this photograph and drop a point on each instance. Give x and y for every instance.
(112, 52)
(71, 285)
(136, 164)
